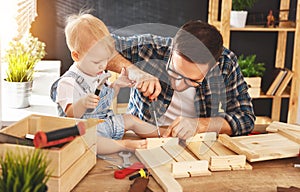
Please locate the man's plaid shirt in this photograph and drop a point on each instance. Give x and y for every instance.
(223, 92)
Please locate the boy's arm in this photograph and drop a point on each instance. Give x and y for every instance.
(78, 108)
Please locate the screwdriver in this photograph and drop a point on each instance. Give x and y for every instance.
(155, 117)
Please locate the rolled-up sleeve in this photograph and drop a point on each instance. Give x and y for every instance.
(239, 109)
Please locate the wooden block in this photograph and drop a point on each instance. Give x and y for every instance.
(157, 142)
(159, 164)
(190, 168)
(178, 153)
(207, 136)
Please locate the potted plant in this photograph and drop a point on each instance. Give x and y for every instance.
(21, 58)
(23, 171)
(238, 14)
(252, 72)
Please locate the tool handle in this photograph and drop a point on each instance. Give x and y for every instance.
(42, 139)
(120, 174)
(142, 173)
(97, 91)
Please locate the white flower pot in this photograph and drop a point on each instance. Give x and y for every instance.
(238, 18)
(254, 84)
(18, 93)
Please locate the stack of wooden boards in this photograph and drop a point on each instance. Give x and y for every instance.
(167, 159)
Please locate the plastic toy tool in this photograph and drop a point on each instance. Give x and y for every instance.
(58, 137)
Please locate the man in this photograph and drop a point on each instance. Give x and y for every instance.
(202, 87)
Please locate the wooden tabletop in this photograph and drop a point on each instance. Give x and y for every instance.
(265, 176)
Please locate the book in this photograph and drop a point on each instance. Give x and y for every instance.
(277, 81)
(284, 82)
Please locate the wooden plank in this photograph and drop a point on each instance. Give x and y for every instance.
(207, 136)
(213, 9)
(284, 15)
(262, 147)
(223, 151)
(236, 161)
(209, 150)
(159, 164)
(281, 49)
(190, 168)
(295, 86)
(74, 174)
(292, 135)
(201, 150)
(276, 125)
(276, 108)
(157, 142)
(225, 22)
(237, 146)
(178, 153)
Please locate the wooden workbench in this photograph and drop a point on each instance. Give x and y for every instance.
(265, 176)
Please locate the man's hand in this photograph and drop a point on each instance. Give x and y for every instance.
(90, 101)
(183, 128)
(145, 83)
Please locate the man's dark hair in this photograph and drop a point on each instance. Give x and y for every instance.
(199, 42)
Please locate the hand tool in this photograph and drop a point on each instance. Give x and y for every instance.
(140, 184)
(126, 161)
(142, 173)
(153, 106)
(6, 138)
(120, 174)
(102, 81)
(57, 137)
(107, 158)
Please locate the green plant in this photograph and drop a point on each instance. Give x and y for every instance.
(24, 172)
(249, 67)
(240, 5)
(21, 56)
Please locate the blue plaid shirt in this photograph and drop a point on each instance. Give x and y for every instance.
(223, 92)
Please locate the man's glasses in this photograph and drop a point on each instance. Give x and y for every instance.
(177, 76)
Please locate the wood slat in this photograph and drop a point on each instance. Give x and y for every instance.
(261, 147)
(159, 164)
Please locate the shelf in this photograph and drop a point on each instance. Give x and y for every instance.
(219, 15)
(263, 29)
(271, 96)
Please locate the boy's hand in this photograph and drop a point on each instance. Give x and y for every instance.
(123, 80)
(90, 101)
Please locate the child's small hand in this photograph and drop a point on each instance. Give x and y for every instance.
(123, 80)
(90, 101)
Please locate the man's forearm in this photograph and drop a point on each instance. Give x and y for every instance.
(214, 124)
(117, 63)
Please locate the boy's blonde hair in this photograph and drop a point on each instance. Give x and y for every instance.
(82, 30)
